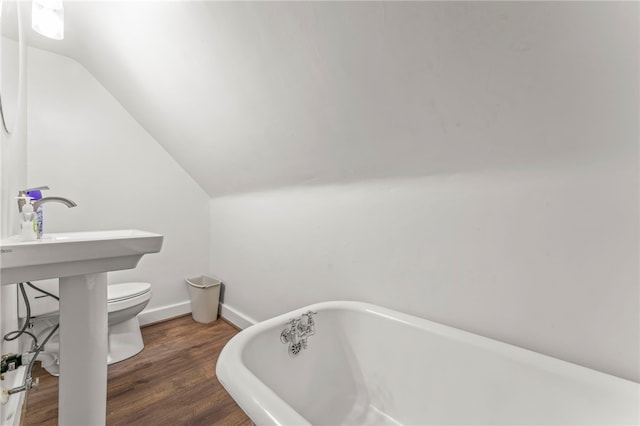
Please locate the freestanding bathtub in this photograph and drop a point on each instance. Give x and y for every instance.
(368, 365)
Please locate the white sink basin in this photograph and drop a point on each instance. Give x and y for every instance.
(74, 253)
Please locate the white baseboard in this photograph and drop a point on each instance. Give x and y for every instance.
(163, 313)
(235, 317)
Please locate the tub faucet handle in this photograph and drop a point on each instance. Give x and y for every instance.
(289, 333)
(309, 322)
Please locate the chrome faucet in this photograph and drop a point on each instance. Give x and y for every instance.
(23, 197)
(67, 202)
(297, 331)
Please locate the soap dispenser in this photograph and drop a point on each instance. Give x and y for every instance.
(36, 194)
(28, 216)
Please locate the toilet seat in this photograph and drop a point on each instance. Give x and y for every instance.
(124, 291)
(127, 295)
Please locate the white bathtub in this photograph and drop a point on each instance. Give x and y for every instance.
(368, 365)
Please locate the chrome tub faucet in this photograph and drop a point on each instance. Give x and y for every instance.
(297, 332)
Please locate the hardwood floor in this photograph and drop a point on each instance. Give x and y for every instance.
(171, 382)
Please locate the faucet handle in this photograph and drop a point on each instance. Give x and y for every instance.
(37, 188)
(293, 322)
(24, 193)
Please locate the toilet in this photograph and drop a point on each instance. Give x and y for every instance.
(125, 302)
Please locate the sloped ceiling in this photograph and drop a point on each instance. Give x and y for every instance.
(253, 95)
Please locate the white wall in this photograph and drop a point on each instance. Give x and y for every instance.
(13, 157)
(522, 222)
(13, 160)
(85, 146)
(544, 259)
(271, 94)
(13, 148)
(13, 153)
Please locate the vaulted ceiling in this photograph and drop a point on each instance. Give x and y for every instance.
(252, 95)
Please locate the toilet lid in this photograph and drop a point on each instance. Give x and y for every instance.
(116, 292)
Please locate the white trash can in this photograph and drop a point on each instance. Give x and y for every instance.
(204, 293)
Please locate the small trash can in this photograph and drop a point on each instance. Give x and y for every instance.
(204, 293)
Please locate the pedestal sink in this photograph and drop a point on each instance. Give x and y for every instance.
(81, 260)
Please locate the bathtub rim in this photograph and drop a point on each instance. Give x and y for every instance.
(264, 406)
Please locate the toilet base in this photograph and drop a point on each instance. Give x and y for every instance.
(125, 340)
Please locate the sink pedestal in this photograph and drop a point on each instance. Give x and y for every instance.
(83, 350)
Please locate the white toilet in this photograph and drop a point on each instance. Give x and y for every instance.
(125, 302)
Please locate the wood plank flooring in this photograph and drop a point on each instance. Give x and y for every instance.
(171, 382)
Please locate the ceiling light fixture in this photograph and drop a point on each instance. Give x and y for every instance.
(47, 18)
